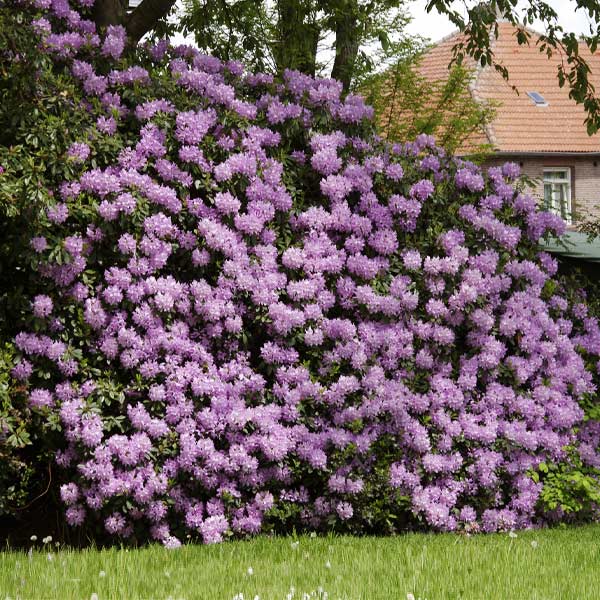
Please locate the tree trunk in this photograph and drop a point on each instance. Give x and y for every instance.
(108, 12)
(298, 37)
(346, 43)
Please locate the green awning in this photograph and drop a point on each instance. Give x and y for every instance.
(575, 245)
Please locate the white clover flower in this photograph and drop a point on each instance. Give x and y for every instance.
(50, 557)
(94, 596)
(33, 538)
(410, 596)
(295, 545)
(250, 571)
(512, 534)
(328, 565)
(534, 544)
(102, 574)
(47, 539)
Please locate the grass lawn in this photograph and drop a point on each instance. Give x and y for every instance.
(549, 564)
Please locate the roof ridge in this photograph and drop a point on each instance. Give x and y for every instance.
(443, 39)
(488, 128)
(458, 32)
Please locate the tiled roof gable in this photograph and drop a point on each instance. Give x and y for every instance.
(521, 126)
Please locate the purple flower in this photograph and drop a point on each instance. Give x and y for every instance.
(39, 398)
(79, 152)
(42, 306)
(213, 528)
(258, 288)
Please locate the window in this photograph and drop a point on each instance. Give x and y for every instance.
(537, 98)
(557, 192)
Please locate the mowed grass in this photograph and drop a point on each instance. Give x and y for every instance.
(552, 564)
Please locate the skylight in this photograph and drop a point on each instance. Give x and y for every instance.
(537, 98)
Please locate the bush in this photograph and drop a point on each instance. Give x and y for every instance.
(253, 313)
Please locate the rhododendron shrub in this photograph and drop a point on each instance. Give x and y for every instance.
(256, 313)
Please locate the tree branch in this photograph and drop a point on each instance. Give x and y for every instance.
(145, 17)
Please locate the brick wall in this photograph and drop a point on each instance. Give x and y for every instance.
(585, 178)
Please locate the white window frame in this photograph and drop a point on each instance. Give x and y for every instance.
(563, 211)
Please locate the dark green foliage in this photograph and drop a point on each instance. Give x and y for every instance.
(40, 116)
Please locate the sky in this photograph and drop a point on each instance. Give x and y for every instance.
(435, 26)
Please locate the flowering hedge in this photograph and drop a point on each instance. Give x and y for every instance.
(255, 313)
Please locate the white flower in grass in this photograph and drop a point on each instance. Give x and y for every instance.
(94, 596)
(50, 557)
(33, 538)
(295, 545)
(102, 574)
(410, 596)
(534, 544)
(328, 565)
(250, 571)
(512, 534)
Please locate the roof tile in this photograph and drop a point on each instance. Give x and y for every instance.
(520, 125)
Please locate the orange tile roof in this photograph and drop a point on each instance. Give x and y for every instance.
(519, 125)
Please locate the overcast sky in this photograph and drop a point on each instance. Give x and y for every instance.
(435, 26)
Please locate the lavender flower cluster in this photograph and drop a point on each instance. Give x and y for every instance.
(255, 305)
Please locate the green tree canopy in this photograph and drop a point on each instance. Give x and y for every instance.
(347, 39)
(343, 39)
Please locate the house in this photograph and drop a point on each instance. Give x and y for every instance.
(539, 127)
